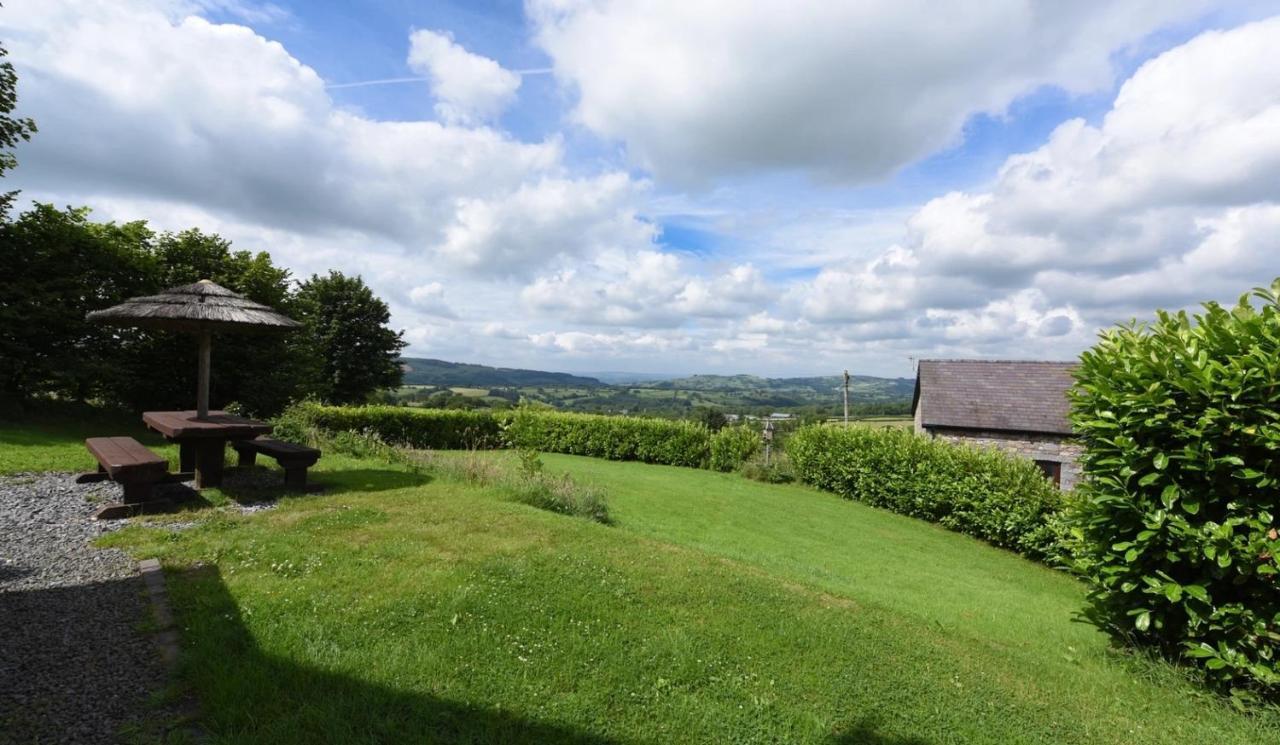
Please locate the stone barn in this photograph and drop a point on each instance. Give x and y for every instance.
(1017, 406)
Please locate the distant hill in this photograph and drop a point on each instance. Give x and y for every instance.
(863, 387)
(627, 378)
(662, 395)
(420, 371)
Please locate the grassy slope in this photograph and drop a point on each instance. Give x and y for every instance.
(1016, 614)
(718, 609)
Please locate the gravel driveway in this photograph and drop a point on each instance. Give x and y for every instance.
(75, 665)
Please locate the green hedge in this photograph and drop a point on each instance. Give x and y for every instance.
(732, 447)
(675, 443)
(981, 492)
(1179, 521)
(670, 442)
(998, 498)
(437, 429)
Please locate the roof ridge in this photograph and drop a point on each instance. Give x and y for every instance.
(999, 361)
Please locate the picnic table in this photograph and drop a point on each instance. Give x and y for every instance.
(202, 441)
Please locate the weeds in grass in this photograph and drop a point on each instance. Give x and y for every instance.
(559, 494)
(777, 471)
(472, 467)
(523, 479)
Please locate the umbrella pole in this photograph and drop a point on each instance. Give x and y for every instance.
(202, 390)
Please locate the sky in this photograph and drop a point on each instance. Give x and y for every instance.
(782, 187)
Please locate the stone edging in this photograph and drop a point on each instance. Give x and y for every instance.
(166, 634)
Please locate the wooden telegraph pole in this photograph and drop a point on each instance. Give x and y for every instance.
(846, 398)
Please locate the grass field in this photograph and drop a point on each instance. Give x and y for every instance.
(402, 606)
(903, 421)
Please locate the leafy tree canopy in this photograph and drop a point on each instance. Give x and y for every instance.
(13, 129)
(346, 326)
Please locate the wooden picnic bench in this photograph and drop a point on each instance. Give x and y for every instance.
(130, 464)
(294, 459)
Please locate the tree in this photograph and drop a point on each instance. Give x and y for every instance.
(12, 129)
(58, 266)
(258, 371)
(346, 327)
(1176, 526)
(713, 418)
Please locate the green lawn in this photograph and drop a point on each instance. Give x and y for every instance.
(400, 608)
(55, 441)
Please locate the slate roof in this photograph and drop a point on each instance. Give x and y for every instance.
(1005, 395)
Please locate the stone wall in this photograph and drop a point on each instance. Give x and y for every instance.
(1030, 445)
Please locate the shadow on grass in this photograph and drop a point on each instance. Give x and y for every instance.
(248, 485)
(864, 733)
(250, 696)
(368, 480)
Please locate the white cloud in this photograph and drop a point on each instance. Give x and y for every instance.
(553, 217)
(1170, 200)
(580, 343)
(845, 90)
(489, 248)
(647, 288)
(468, 87)
(429, 299)
(137, 100)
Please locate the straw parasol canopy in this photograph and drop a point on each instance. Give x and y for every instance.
(200, 308)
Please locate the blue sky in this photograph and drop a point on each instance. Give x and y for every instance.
(780, 188)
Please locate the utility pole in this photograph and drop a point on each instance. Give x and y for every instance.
(846, 398)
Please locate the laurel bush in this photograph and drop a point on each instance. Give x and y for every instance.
(666, 441)
(732, 447)
(669, 442)
(981, 492)
(1176, 526)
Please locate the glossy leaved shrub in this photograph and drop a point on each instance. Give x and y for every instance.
(981, 492)
(436, 429)
(1176, 524)
(732, 447)
(675, 443)
(666, 441)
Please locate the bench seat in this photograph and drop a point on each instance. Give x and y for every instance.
(129, 463)
(294, 459)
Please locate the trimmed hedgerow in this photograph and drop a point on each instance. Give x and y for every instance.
(670, 442)
(732, 447)
(1177, 523)
(436, 429)
(675, 443)
(981, 492)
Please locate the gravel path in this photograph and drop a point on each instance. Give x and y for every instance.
(75, 665)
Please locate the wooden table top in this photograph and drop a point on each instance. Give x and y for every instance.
(181, 425)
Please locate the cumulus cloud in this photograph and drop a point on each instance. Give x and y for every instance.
(140, 100)
(1170, 200)
(492, 248)
(429, 299)
(550, 218)
(852, 91)
(647, 288)
(581, 343)
(468, 87)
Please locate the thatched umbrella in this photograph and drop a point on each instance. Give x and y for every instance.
(201, 308)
